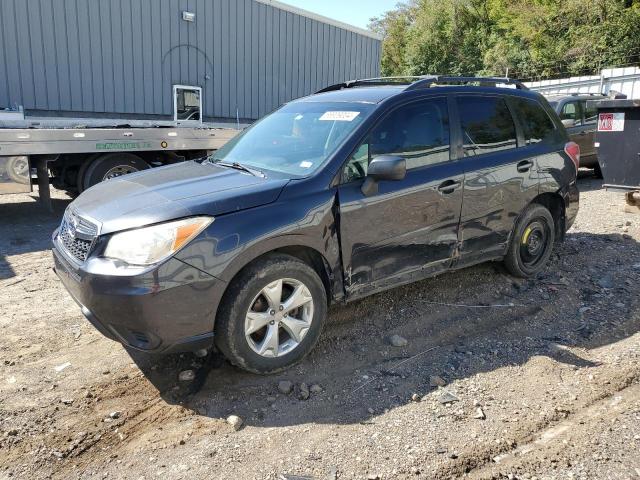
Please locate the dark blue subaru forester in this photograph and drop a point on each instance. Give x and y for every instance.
(361, 187)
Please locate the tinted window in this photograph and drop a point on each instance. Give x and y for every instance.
(487, 125)
(537, 125)
(590, 113)
(571, 111)
(418, 132)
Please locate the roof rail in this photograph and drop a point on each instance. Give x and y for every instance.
(586, 94)
(372, 82)
(482, 81)
(415, 82)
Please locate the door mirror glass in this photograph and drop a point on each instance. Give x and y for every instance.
(384, 167)
(569, 122)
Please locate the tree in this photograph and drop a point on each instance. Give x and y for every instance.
(530, 38)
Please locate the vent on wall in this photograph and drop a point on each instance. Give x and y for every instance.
(188, 16)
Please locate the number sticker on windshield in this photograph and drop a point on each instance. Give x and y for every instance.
(338, 116)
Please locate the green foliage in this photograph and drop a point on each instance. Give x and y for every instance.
(530, 38)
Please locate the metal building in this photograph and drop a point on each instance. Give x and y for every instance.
(158, 59)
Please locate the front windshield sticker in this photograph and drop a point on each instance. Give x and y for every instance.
(306, 164)
(337, 116)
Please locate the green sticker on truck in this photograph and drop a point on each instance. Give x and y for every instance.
(123, 146)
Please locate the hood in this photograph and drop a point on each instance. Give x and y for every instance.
(175, 191)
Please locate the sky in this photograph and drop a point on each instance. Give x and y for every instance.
(354, 12)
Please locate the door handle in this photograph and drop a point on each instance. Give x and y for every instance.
(524, 166)
(449, 186)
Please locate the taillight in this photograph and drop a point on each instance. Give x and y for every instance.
(573, 150)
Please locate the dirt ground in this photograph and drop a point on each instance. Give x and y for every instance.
(538, 379)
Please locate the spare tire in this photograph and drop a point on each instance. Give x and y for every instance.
(112, 165)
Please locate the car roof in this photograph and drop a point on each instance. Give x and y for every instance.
(371, 95)
(377, 94)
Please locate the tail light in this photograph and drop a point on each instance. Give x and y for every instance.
(573, 150)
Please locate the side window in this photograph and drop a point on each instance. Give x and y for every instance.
(537, 125)
(571, 111)
(418, 132)
(487, 125)
(590, 113)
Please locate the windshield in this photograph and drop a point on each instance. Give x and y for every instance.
(295, 139)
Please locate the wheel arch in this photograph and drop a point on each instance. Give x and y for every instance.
(294, 246)
(554, 202)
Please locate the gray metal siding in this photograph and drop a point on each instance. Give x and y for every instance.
(124, 56)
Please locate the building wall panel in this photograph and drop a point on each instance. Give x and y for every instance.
(121, 57)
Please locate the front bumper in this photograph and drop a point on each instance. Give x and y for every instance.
(167, 308)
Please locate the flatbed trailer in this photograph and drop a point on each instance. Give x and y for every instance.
(74, 154)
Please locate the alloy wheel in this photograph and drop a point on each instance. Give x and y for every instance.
(279, 318)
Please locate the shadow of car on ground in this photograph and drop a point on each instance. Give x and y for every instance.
(26, 227)
(457, 326)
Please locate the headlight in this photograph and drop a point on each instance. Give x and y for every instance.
(149, 245)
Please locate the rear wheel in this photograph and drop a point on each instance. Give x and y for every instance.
(272, 315)
(532, 242)
(111, 165)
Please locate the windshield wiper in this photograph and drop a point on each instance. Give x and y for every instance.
(238, 166)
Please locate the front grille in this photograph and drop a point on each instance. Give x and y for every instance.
(77, 247)
(76, 235)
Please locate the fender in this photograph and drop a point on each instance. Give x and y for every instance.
(238, 238)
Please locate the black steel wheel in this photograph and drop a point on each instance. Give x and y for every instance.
(531, 243)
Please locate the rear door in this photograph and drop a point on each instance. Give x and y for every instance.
(590, 124)
(572, 110)
(500, 179)
(409, 228)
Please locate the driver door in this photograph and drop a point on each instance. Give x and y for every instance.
(409, 228)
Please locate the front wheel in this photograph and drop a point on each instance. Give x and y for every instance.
(272, 315)
(531, 243)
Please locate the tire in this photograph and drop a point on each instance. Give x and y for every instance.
(111, 165)
(531, 243)
(86, 163)
(597, 171)
(18, 170)
(245, 296)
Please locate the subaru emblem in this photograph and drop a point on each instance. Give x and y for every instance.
(72, 226)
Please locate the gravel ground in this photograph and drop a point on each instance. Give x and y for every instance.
(499, 378)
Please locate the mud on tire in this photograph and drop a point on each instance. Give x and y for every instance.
(244, 296)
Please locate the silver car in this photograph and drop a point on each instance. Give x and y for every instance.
(581, 122)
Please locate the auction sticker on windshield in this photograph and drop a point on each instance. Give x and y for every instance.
(339, 116)
(611, 122)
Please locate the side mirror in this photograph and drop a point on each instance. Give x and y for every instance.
(569, 122)
(384, 167)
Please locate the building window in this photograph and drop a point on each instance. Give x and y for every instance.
(187, 104)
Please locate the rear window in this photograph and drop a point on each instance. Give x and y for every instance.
(536, 124)
(487, 125)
